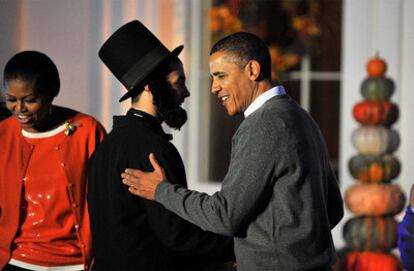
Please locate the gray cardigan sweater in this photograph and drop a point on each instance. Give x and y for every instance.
(279, 198)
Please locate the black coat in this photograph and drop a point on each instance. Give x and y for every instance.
(131, 233)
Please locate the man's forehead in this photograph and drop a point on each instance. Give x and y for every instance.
(221, 59)
(175, 67)
(176, 72)
(226, 57)
(224, 54)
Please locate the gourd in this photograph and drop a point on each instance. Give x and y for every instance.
(373, 168)
(375, 112)
(376, 66)
(375, 140)
(371, 261)
(371, 233)
(374, 199)
(377, 88)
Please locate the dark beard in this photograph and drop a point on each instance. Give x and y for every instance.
(167, 108)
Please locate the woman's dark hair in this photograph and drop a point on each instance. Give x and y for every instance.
(244, 47)
(37, 70)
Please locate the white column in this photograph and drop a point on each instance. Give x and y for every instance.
(193, 139)
(405, 88)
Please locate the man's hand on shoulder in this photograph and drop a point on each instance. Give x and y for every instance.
(141, 183)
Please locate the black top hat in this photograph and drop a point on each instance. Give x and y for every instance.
(132, 53)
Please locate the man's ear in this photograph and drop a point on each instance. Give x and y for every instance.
(147, 88)
(253, 69)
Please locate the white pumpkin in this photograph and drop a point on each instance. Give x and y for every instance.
(375, 140)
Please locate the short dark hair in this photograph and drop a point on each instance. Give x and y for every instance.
(36, 69)
(160, 73)
(244, 47)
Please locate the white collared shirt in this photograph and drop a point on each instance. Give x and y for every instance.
(264, 97)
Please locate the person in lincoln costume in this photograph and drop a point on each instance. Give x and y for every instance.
(132, 233)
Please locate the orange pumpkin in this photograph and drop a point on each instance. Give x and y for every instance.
(375, 112)
(374, 199)
(376, 67)
(371, 261)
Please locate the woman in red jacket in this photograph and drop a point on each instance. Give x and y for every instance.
(44, 220)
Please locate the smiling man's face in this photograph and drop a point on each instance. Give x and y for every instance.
(230, 82)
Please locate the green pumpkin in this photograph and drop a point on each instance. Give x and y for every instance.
(374, 168)
(373, 233)
(377, 88)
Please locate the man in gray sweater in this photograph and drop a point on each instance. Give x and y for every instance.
(279, 198)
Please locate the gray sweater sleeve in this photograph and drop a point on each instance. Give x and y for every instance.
(245, 187)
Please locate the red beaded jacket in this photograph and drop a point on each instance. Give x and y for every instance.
(83, 135)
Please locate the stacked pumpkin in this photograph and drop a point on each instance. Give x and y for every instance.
(374, 199)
